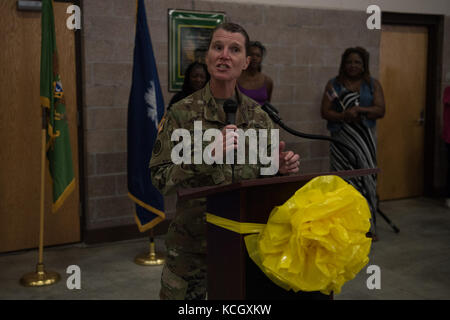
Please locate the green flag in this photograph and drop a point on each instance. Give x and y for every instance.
(52, 98)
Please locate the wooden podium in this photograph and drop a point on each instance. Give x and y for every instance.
(232, 275)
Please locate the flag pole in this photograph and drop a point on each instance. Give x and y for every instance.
(152, 258)
(41, 277)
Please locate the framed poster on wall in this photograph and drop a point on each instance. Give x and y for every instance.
(189, 33)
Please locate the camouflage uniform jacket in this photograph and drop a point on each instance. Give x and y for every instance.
(188, 228)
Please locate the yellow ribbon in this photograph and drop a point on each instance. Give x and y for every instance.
(238, 227)
(315, 241)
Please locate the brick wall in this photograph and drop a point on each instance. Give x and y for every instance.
(303, 51)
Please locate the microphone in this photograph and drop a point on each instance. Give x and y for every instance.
(230, 108)
(272, 112)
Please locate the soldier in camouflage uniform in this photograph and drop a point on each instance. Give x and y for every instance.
(184, 274)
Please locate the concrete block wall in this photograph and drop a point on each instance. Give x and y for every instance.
(108, 41)
(108, 52)
(304, 47)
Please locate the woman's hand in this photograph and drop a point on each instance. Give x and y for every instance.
(229, 140)
(351, 114)
(289, 161)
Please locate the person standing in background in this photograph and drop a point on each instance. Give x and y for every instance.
(195, 78)
(351, 103)
(252, 82)
(446, 137)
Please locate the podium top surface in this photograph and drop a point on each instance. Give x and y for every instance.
(193, 193)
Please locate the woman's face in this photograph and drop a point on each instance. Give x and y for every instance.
(354, 65)
(256, 58)
(197, 78)
(226, 57)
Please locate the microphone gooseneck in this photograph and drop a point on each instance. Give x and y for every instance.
(273, 114)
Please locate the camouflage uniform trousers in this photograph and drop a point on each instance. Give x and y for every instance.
(183, 276)
(184, 273)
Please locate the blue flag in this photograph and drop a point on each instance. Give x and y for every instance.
(145, 110)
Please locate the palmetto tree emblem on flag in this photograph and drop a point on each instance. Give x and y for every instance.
(150, 99)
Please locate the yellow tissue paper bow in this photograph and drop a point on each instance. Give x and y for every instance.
(315, 241)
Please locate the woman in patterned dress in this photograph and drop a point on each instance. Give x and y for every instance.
(351, 103)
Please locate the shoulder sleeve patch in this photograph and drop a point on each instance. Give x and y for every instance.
(157, 147)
